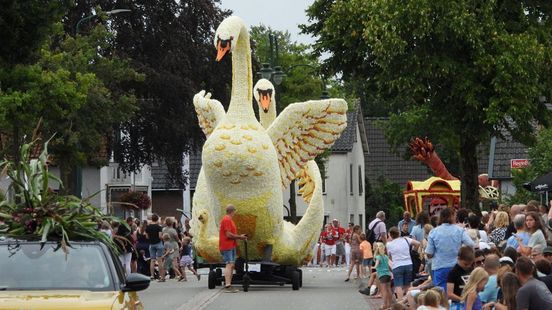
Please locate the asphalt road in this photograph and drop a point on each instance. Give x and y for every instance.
(322, 289)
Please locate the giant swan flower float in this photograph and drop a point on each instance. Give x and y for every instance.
(247, 165)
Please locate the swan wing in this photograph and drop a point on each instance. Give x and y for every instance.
(209, 112)
(303, 131)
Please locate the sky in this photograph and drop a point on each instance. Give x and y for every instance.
(278, 14)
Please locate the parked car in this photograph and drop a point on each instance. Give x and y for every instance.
(43, 276)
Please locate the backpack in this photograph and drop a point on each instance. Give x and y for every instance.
(370, 236)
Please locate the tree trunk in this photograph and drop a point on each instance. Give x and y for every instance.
(67, 174)
(469, 173)
(292, 204)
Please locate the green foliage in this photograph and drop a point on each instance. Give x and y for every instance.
(36, 212)
(25, 26)
(383, 195)
(540, 163)
(457, 71)
(75, 88)
(303, 80)
(171, 43)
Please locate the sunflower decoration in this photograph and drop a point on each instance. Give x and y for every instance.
(32, 210)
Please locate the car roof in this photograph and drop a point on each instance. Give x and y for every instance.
(34, 241)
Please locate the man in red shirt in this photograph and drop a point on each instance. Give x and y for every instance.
(329, 237)
(228, 234)
(340, 246)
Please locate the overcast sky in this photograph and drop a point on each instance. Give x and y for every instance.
(278, 14)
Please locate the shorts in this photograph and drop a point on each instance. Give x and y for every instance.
(329, 249)
(186, 261)
(168, 262)
(402, 276)
(339, 249)
(385, 279)
(229, 256)
(156, 250)
(440, 278)
(456, 306)
(367, 262)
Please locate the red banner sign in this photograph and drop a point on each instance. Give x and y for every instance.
(519, 163)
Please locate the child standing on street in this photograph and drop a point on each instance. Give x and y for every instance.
(383, 271)
(168, 258)
(367, 255)
(186, 259)
(476, 283)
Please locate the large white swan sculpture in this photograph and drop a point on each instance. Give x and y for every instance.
(246, 165)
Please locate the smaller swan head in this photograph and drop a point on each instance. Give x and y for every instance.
(202, 216)
(227, 35)
(264, 94)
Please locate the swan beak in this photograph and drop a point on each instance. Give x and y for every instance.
(265, 102)
(223, 47)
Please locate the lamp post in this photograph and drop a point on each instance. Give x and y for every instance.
(109, 13)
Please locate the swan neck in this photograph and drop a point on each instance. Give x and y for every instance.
(267, 118)
(241, 102)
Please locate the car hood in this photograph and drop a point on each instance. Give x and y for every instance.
(72, 299)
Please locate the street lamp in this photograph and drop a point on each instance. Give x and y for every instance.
(108, 13)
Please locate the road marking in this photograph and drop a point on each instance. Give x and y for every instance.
(201, 300)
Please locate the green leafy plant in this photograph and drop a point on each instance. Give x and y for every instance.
(37, 212)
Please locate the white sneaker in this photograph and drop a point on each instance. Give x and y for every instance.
(373, 289)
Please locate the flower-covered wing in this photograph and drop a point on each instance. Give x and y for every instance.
(209, 112)
(304, 130)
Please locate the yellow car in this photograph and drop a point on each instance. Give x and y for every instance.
(42, 276)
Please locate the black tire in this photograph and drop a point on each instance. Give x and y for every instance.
(300, 277)
(295, 280)
(246, 282)
(219, 277)
(212, 280)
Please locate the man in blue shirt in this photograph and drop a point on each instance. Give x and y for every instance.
(406, 219)
(443, 245)
(519, 225)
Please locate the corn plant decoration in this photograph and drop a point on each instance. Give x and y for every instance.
(34, 211)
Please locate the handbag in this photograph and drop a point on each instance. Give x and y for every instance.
(416, 260)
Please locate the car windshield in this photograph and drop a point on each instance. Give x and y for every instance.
(25, 266)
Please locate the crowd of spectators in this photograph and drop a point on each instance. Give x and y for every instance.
(501, 259)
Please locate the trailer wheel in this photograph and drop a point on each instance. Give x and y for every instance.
(246, 282)
(295, 280)
(218, 273)
(212, 280)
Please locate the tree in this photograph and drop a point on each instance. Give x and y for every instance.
(456, 71)
(171, 43)
(69, 89)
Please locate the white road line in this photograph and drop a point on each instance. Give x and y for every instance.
(201, 300)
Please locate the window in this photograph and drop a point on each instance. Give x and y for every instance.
(351, 218)
(360, 220)
(360, 189)
(351, 178)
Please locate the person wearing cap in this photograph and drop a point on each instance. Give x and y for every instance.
(228, 234)
(547, 253)
(506, 260)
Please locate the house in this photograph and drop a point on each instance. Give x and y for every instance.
(167, 196)
(506, 154)
(382, 161)
(343, 187)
